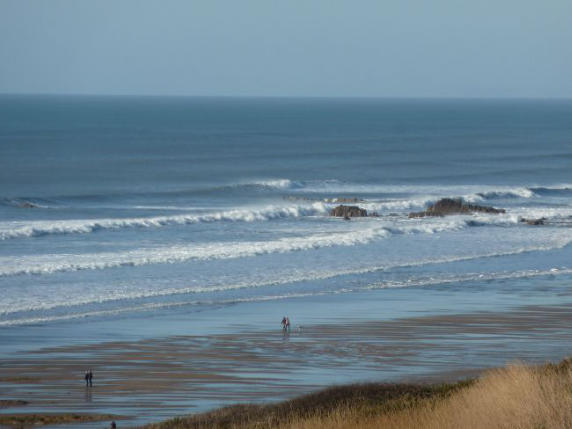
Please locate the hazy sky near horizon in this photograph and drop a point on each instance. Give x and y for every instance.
(387, 48)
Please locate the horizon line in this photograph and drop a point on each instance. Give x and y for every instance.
(277, 96)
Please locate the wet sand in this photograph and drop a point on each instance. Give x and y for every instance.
(155, 379)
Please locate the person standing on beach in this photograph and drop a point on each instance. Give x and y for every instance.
(283, 323)
(90, 375)
(86, 378)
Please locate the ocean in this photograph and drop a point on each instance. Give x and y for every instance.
(117, 207)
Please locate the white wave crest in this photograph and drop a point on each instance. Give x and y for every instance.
(411, 282)
(276, 183)
(366, 233)
(399, 204)
(482, 191)
(462, 278)
(47, 264)
(502, 193)
(84, 226)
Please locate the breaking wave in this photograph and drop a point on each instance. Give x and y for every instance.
(503, 194)
(47, 264)
(54, 263)
(41, 228)
(410, 282)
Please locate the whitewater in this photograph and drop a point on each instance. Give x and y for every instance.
(110, 217)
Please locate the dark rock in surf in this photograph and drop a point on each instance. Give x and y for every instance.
(348, 211)
(540, 221)
(27, 205)
(450, 206)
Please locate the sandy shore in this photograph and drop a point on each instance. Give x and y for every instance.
(154, 379)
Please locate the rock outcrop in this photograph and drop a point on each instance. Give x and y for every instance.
(540, 221)
(348, 211)
(450, 206)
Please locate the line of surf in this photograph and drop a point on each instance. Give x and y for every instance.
(327, 186)
(85, 226)
(414, 282)
(48, 264)
(361, 233)
(280, 279)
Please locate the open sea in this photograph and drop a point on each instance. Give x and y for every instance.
(114, 207)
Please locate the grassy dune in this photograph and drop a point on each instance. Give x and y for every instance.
(31, 420)
(517, 396)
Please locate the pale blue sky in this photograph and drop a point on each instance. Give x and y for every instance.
(395, 48)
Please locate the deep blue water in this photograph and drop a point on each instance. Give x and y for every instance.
(110, 206)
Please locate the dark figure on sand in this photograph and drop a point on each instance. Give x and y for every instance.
(90, 378)
(285, 324)
(113, 425)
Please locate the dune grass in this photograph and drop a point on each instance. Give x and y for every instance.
(367, 399)
(518, 396)
(514, 397)
(4, 403)
(31, 420)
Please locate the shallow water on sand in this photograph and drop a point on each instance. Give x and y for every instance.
(154, 366)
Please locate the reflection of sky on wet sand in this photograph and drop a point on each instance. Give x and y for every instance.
(155, 378)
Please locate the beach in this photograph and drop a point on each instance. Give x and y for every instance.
(159, 242)
(156, 378)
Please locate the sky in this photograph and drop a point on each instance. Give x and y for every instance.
(324, 48)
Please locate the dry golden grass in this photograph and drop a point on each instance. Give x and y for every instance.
(516, 397)
(31, 420)
(513, 397)
(362, 399)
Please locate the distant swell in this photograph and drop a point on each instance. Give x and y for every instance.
(563, 190)
(26, 203)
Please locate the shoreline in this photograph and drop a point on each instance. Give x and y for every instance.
(156, 379)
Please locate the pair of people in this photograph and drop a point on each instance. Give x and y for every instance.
(285, 324)
(88, 378)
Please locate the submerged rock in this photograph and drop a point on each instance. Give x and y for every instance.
(452, 206)
(348, 211)
(540, 221)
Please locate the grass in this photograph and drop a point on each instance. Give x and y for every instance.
(4, 403)
(518, 396)
(370, 399)
(28, 420)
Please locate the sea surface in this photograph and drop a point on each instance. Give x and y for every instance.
(117, 207)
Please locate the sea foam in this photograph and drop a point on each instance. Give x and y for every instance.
(83, 226)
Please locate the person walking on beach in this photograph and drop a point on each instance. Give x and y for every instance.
(283, 323)
(86, 378)
(90, 376)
